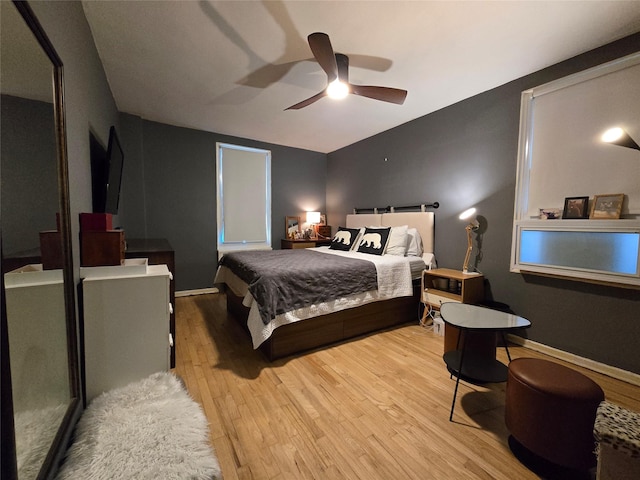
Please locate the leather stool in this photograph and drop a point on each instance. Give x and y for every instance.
(551, 410)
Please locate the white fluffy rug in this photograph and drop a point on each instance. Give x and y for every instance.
(35, 430)
(150, 429)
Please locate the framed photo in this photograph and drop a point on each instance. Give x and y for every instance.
(576, 207)
(550, 213)
(607, 206)
(323, 219)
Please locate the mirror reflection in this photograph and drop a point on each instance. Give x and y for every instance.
(31, 246)
(292, 227)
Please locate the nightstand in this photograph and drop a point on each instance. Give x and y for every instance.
(442, 285)
(324, 231)
(445, 285)
(285, 243)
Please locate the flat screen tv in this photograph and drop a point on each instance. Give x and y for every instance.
(115, 160)
(106, 173)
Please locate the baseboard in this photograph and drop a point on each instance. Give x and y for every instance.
(200, 291)
(614, 372)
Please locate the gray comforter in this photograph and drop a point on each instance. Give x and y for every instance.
(285, 280)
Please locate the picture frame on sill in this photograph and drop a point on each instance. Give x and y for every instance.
(550, 213)
(576, 207)
(607, 207)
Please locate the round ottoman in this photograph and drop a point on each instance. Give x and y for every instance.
(551, 409)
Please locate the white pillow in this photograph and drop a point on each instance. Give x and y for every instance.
(414, 246)
(397, 244)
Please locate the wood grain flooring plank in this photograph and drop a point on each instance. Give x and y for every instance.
(374, 408)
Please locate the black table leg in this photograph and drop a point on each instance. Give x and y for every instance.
(455, 391)
(506, 345)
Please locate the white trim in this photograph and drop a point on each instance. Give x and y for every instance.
(613, 372)
(586, 75)
(525, 140)
(199, 291)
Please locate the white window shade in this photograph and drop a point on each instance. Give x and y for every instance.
(244, 198)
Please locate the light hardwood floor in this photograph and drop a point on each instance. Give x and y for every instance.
(373, 408)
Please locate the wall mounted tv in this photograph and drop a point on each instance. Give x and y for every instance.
(106, 173)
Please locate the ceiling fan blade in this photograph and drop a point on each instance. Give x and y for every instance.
(323, 51)
(386, 94)
(308, 101)
(343, 67)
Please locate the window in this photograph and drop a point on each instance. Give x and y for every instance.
(560, 155)
(244, 198)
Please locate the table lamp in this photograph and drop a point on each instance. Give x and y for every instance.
(473, 225)
(313, 218)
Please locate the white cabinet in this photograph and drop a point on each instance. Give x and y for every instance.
(36, 325)
(126, 325)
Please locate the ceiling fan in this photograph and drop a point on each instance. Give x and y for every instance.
(336, 66)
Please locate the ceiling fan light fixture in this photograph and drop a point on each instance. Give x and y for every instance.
(337, 90)
(336, 66)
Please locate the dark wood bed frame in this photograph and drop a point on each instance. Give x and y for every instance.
(328, 329)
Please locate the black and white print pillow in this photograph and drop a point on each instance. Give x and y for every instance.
(344, 238)
(374, 240)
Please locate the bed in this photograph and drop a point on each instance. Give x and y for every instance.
(299, 320)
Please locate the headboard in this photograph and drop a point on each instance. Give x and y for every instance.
(424, 222)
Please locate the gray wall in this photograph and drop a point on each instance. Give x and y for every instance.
(465, 155)
(88, 101)
(169, 191)
(29, 174)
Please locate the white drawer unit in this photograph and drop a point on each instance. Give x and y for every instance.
(436, 300)
(126, 326)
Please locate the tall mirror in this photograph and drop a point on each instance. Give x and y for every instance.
(40, 388)
(292, 227)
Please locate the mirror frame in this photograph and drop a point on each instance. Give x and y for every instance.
(74, 410)
(286, 225)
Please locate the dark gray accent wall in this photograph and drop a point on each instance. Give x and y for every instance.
(169, 191)
(88, 101)
(465, 155)
(29, 175)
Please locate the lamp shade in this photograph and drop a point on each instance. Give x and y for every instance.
(618, 136)
(468, 213)
(313, 217)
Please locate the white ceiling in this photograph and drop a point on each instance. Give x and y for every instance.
(232, 67)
